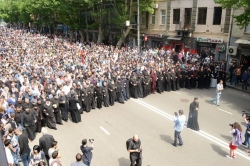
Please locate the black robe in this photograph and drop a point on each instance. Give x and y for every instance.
(127, 88)
(49, 111)
(39, 117)
(201, 80)
(207, 79)
(57, 110)
(119, 96)
(75, 113)
(160, 88)
(99, 95)
(146, 90)
(188, 79)
(139, 87)
(134, 90)
(28, 122)
(193, 117)
(87, 99)
(168, 82)
(173, 81)
(112, 91)
(80, 94)
(105, 96)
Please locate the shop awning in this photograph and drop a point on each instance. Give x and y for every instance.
(242, 41)
(174, 38)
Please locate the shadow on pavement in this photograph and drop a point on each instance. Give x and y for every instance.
(218, 149)
(124, 161)
(228, 138)
(167, 138)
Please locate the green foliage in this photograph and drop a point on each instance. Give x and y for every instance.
(242, 19)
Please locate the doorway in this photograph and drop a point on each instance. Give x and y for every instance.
(177, 48)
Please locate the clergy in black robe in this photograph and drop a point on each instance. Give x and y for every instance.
(178, 73)
(188, 79)
(119, 96)
(163, 80)
(39, 116)
(182, 78)
(112, 91)
(133, 83)
(201, 78)
(207, 80)
(105, 95)
(75, 114)
(146, 90)
(80, 95)
(99, 94)
(139, 86)
(49, 111)
(160, 89)
(62, 99)
(168, 81)
(124, 91)
(92, 96)
(57, 110)
(193, 115)
(87, 98)
(194, 78)
(173, 80)
(127, 87)
(40, 104)
(28, 121)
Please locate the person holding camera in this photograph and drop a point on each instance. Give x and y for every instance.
(134, 149)
(179, 120)
(247, 133)
(87, 151)
(236, 140)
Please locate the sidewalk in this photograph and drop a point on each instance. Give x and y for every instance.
(238, 87)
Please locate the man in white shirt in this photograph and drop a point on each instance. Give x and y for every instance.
(8, 152)
(219, 88)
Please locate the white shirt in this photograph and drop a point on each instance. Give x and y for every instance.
(9, 156)
(219, 88)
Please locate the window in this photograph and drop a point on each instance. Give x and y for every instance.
(188, 13)
(202, 16)
(247, 28)
(153, 18)
(176, 17)
(163, 16)
(142, 18)
(217, 15)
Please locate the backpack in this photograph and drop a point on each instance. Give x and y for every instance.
(238, 137)
(128, 142)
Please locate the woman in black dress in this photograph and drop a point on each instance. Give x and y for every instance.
(193, 115)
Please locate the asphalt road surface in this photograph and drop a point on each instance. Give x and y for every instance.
(151, 119)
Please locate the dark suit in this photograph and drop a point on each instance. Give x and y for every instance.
(45, 143)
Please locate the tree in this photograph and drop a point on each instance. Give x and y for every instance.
(242, 19)
(123, 10)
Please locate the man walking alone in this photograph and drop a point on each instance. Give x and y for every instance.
(179, 120)
(219, 88)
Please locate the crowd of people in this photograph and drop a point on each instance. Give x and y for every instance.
(44, 79)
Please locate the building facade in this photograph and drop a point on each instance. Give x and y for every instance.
(239, 44)
(189, 25)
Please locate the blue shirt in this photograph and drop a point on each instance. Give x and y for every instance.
(179, 122)
(10, 110)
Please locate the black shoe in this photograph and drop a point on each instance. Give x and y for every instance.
(180, 144)
(244, 143)
(174, 145)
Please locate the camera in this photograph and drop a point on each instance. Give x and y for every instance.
(231, 125)
(91, 140)
(176, 114)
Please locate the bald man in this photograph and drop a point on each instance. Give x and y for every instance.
(134, 149)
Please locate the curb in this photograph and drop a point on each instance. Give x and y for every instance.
(239, 89)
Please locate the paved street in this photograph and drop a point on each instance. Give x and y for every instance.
(150, 118)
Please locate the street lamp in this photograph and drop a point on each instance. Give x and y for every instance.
(138, 25)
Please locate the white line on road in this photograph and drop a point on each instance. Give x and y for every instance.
(177, 93)
(105, 131)
(225, 111)
(201, 133)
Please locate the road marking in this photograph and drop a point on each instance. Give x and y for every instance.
(105, 131)
(201, 133)
(225, 111)
(177, 93)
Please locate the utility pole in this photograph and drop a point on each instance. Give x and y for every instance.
(138, 25)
